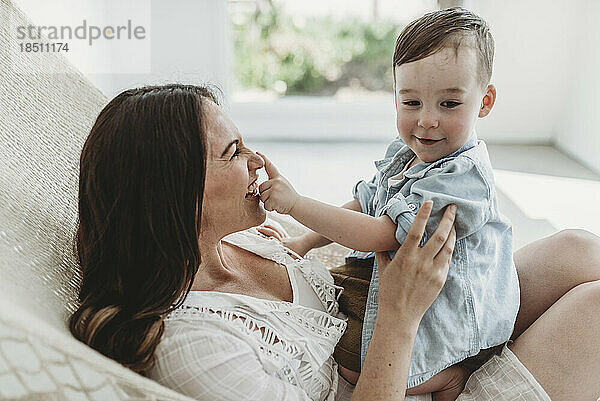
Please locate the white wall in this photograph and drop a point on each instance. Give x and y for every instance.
(531, 70)
(187, 40)
(189, 44)
(547, 74)
(362, 9)
(123, 53)
(321, 119)
(579, 124)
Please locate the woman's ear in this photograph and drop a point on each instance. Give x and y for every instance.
(488, 101)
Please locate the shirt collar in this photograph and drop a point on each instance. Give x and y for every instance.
(405, 153)
(470, 143)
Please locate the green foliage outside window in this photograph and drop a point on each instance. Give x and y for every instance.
(313, 56)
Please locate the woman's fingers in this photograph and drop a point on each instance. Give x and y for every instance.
(383, 260)
(281, 233)
(445, 254)
(439, 237)
(414, 235)
(270, 232)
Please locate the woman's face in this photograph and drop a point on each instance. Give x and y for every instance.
(231, 201)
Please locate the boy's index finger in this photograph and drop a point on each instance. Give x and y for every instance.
(417, 229)
(270, 168)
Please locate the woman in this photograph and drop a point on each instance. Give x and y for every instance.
(177, 284)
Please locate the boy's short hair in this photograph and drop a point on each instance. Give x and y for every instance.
(446, 28)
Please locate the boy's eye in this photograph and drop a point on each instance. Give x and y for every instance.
(450, 104)
(411, 103)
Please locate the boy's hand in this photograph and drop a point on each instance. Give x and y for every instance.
(276, 193)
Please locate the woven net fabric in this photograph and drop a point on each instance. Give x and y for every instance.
(44, 120)
(46, 111)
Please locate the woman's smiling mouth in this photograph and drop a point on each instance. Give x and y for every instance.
(252, 190)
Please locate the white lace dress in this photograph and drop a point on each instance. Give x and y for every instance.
(221, 346)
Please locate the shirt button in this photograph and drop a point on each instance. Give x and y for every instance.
(412, 206)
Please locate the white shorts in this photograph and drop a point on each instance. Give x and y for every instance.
(501, 378)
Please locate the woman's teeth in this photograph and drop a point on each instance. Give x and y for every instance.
(252, 190)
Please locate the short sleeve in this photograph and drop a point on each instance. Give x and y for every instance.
(458, 182)
(218, 366)
(364, 192)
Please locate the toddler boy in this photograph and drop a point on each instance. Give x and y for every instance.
(442, 69)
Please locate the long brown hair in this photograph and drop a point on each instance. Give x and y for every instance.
(141, 184)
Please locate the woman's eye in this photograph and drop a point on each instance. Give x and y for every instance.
(450, 104)
(236, 153)
(411, 103)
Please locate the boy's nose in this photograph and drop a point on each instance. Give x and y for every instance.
(428, 120)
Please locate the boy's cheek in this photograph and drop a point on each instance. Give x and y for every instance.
(404, 124)
(458, 129)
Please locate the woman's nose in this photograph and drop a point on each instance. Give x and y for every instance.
(255, 162)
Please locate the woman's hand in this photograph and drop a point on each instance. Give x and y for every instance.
(410, 282)
(297, 244)
(276, 193)
(408, 285)
(271, 230)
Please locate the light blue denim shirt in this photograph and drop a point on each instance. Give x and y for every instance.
(478, 304)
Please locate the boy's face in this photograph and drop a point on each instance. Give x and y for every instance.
(438, 100)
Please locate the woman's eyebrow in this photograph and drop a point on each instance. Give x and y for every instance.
(234, 142)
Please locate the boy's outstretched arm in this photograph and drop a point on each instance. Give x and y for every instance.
(311, 239)
(350, 228)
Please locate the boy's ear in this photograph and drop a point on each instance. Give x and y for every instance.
(488, 101)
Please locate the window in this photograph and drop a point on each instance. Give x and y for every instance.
(337, 48)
